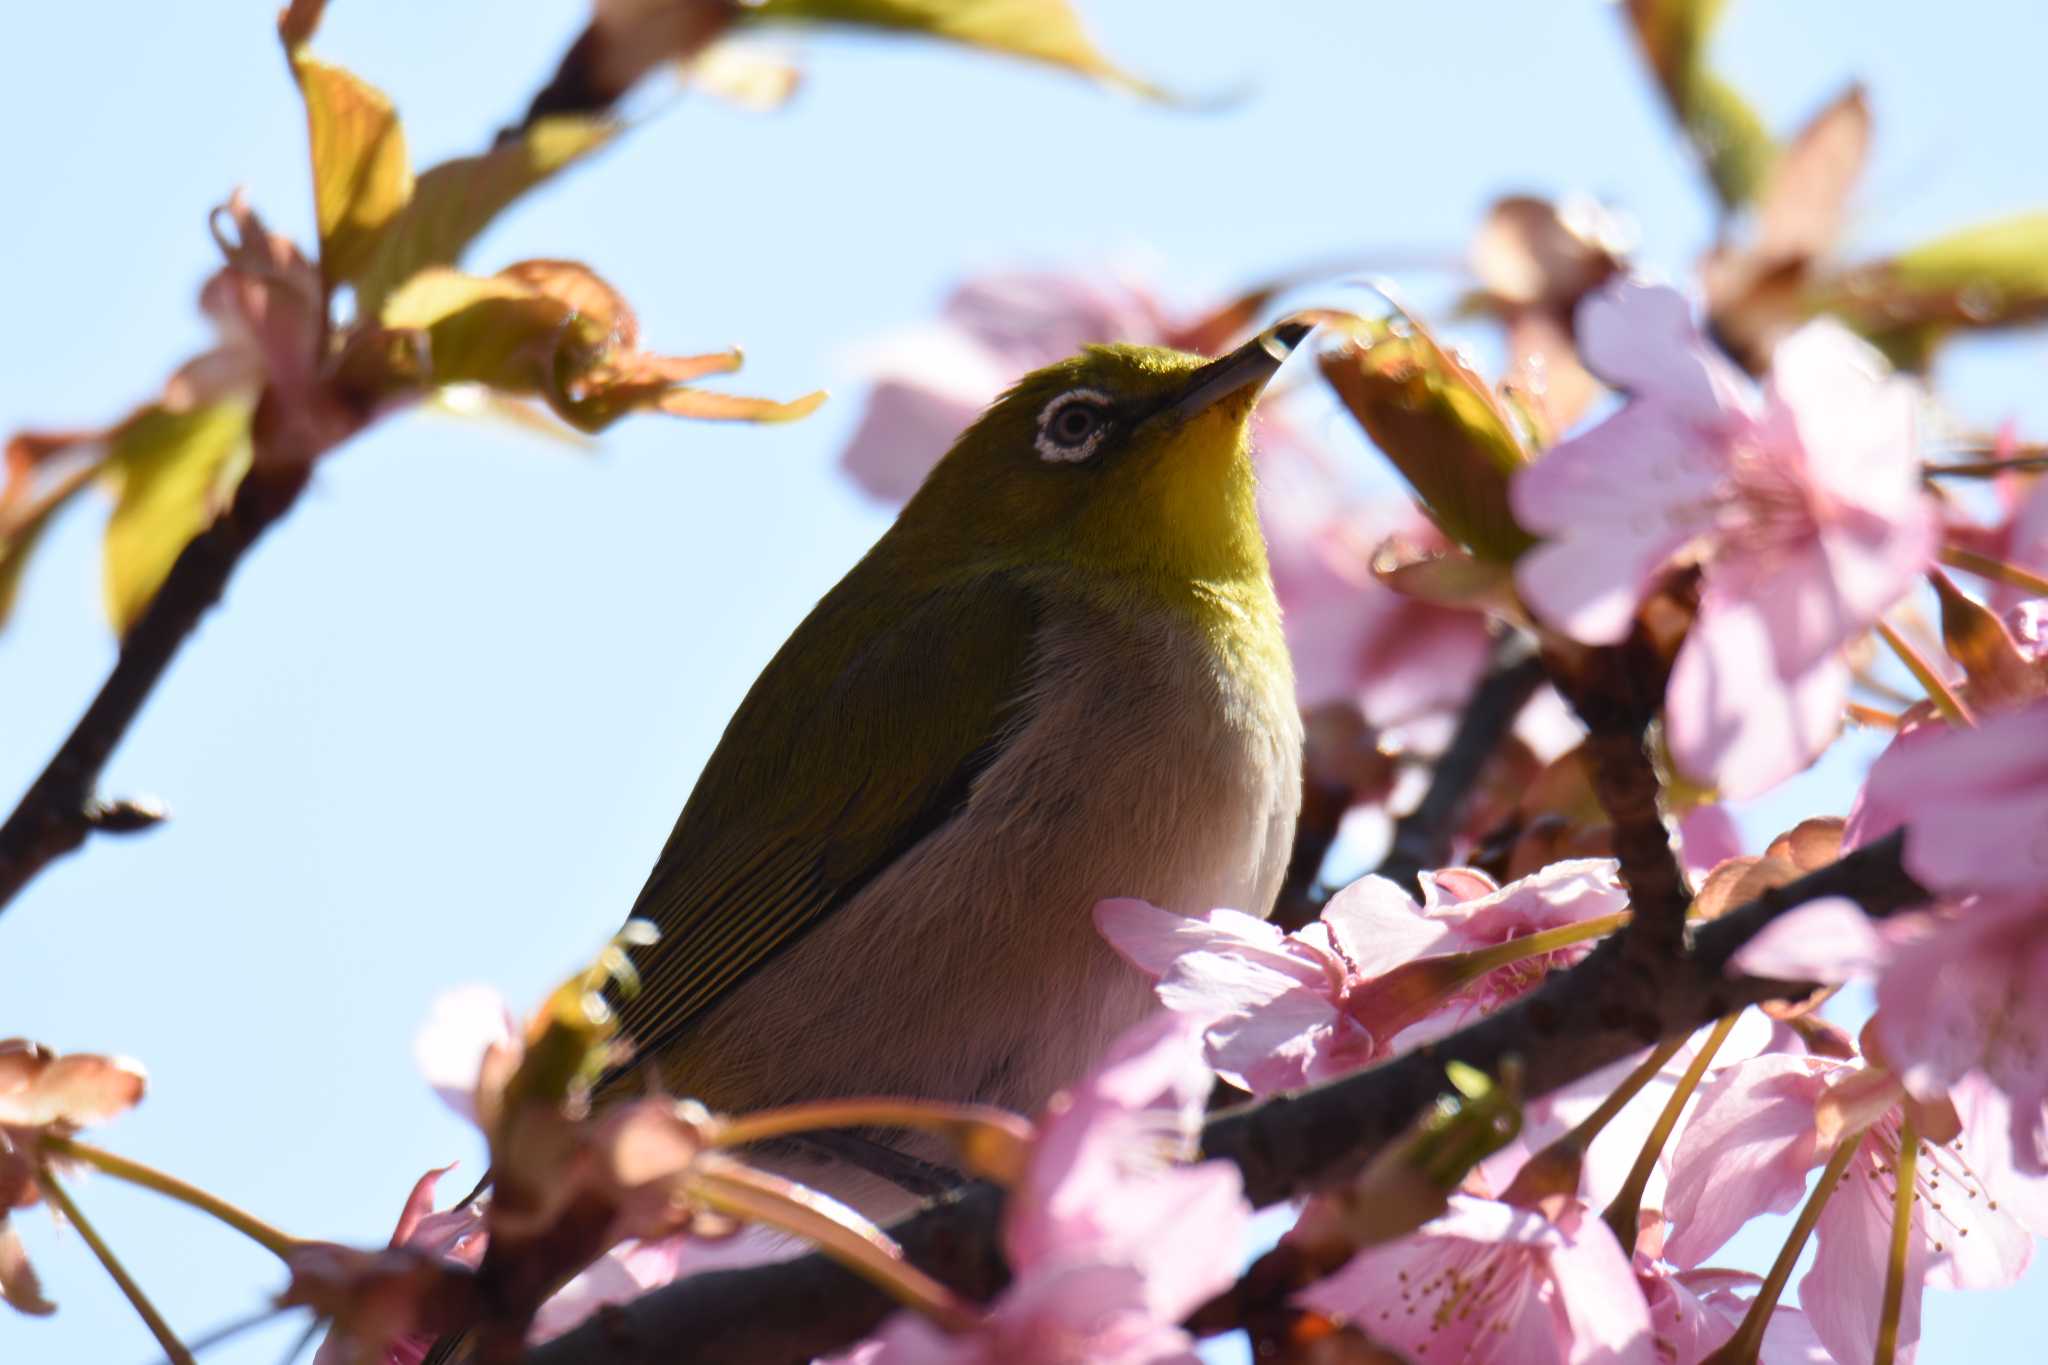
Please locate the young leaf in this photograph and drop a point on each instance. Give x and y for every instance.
(1047, 31)
(24, 518)
(553, 329)
(1726, 132)
(172, 471)
(453, 202)
(1998, 673)
(1440, 424)
(1990, 275)
(361, 178)
(1760, 290)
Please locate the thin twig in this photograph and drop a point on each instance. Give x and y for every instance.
(1600, 1011)
(1422, 838)
(1617, 696)
(144, 1309)
(59, 809)
(185, 1192)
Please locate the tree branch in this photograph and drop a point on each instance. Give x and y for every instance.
(1617, 693)
(1422, 837)
(1578, 1021)
(59, 809)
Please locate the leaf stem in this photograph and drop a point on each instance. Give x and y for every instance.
(992, 1141)
(120, 1167)
(1742, 1348)
(158, 1327)
(1938, 691)
(1559, 1165)
(836, 1230)
(1624, 1215)
(1902, 1231)
(1997, 570)
(1984, 469)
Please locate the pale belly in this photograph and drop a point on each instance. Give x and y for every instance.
(971, 968)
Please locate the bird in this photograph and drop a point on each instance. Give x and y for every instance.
(1058, 677)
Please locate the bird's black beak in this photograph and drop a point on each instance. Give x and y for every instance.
(1247, 367)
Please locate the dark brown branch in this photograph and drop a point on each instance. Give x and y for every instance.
(60, 810)
(1422, 837)
(1617, 693)
(1578, 1021)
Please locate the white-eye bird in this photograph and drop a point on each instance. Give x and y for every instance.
(1058, 677)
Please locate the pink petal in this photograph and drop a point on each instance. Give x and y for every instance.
(1975, 802)
(1152, 939)
(1377, 926)
(418, 1204)
(1746, 1150)
(1941, 1003)
(1729, 726)
(1641, 338)
(1829, 940)
(1707, 836)
(1856, 428)
(1994, 1131)
(1843, 1293)
(19, 1285)
(1395, 1292)
(1621, 500)
(462, 1025)
(904, 431)
(1967, 1213)
(1570, 891)
(1192, 1246)
(81, 1088)
(1603, 1305)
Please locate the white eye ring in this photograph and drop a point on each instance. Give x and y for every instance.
(1056, 451)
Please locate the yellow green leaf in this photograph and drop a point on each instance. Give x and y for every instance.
(1047, 31)
(172, 473)
(453, 202)
(24, 518)
(1440, 425)
(1726, 132)
(555, 329)
(1730, 137)
(1991, 270)
(1999, 674)
(361, 178)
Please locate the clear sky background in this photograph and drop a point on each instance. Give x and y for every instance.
(452, 706)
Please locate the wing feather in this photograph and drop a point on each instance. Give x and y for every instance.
(863, 735)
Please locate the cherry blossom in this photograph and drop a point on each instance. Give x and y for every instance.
(378, 1300)
(1488, 1282)
(1762, 1125)
(1973, 802)
(1801, 505)
(1694, 1312)
(1375, 972)
(1112, 1244)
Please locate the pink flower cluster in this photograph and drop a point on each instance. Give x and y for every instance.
(1801, 506)
(1375, 974)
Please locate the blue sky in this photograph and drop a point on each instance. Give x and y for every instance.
(451, 707)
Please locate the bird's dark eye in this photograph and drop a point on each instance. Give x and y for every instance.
(1072, 425)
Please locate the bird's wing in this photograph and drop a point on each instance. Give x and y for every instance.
(864, 734)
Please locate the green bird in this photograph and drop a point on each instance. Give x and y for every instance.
(1058, 677)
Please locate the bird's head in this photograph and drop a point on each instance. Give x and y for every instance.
(1132, 461)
